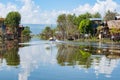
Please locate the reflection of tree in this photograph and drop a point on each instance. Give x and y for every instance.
(12, 57)
(83, 58)
(73, 56)
(9, 51)
(24, 39)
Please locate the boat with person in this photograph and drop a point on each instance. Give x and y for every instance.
(52, 39)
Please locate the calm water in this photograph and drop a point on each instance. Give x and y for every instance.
(44, 60)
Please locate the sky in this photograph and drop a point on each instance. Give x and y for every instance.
(47, 11)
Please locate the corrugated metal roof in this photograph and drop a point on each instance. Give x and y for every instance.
(96, 19)
(118, 17)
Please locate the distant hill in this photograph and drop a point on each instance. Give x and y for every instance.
(37, 28)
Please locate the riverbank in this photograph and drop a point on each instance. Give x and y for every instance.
(94, 39)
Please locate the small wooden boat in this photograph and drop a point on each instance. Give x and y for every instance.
(52, 39)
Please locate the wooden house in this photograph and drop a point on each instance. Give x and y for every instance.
(96, 22)
(6, 32)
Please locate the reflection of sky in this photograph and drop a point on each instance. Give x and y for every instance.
(103, 66)
(39, 60)
(32, 56)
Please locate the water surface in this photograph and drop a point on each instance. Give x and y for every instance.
(44, 60)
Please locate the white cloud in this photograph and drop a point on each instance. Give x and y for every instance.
(103, 6)
(99, 6)
(82, 9)
(4, 9)
(31, 13)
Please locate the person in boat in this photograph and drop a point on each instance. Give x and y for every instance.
(52, 39)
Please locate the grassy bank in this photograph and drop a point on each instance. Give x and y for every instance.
(94, 39)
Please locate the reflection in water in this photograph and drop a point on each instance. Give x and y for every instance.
(34, 56)
(9, 52)
(104, 66)
(98, 57)
(72, 56)
(93, 57)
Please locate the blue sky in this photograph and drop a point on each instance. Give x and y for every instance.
(62, 4)
(47, 11)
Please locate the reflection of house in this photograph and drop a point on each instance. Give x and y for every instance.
(104, 66)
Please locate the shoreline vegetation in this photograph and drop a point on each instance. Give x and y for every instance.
(10, 28)
(97, 40)
(85, 27)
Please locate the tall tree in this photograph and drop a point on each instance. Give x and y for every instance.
(61, 20)
(110, 15)
(71, 28)
(13, 20)
(47, 33)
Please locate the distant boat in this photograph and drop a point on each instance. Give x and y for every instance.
(52, 39)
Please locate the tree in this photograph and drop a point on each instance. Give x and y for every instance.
(62, 24)
(82, 17)
(85, 26)
(13, 20)
(26, 32)
(12, 57)
(70, 26)
(11, 54)
(88, 15)
(47, 33)
(70, 54)
(110, 15)
(97, 15)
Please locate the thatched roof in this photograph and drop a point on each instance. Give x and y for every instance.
(114, 24)
(2, 20)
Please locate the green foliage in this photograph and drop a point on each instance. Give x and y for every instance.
(69, 54)
(66, 25)
(114, 30)
(85, 54)
(13, 19)
(61, 22)
(47, 33)
(97, 15)
(70, 26)
(61, 18)
(26, 31)
(85, 26)
(12, 57)
(82, 17)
